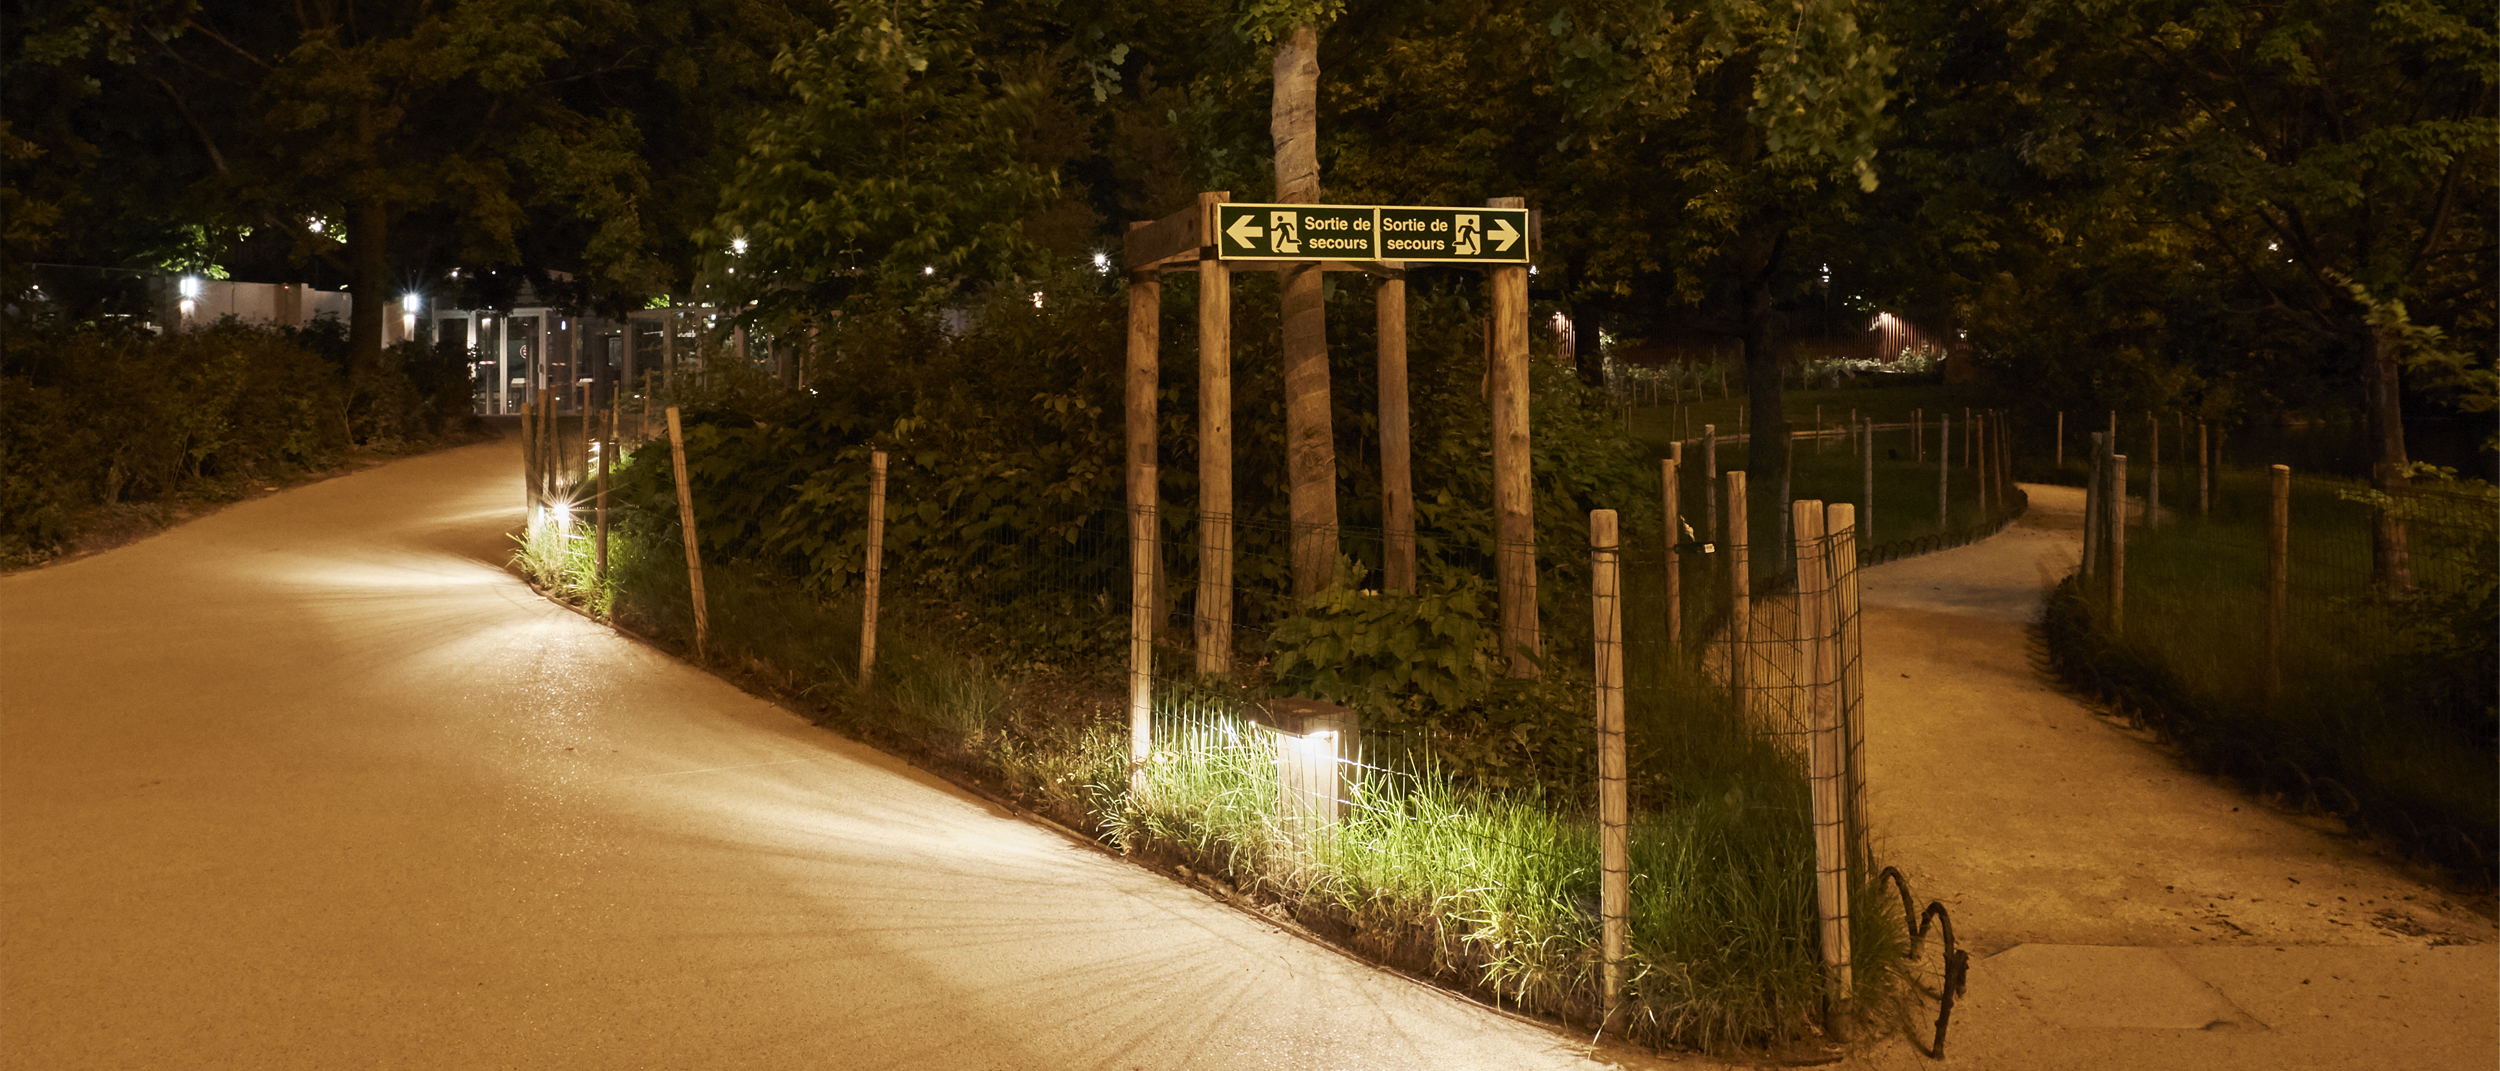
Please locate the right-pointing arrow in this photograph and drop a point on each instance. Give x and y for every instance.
(1244, 233)
(1503, 235)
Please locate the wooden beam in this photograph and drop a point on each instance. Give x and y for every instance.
(1172, 241)
(1514, 517)
(1397, 485)
(1215, 460)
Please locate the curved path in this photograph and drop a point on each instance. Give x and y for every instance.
(313, 782)
(2121, 909)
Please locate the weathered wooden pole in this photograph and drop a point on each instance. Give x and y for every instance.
(2152, 473)
(2060, 461)
(1738, 540)
(1614, 865)
(1145, 334)
(2278, 575)
(2095, 499)
(1514, 516)
(2204, 472)
(2117, 543)
(1710, 479)
(607, 450)
(1141, 639)
(1670, 475)
(1812, 553)
(1850, 635)
(872, 572)
(1397, 491)
(1866, 500)
(1215, 452)
(529, 464)
(1788, 471)
(685, 521)
(1944, 472)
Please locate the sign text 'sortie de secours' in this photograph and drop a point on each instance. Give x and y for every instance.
(1372, 232)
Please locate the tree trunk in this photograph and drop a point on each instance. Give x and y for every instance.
(368, 232)
(1310, 438)
(2391, 564)
(1766, 452)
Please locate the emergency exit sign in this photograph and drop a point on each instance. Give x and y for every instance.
(1372, 232)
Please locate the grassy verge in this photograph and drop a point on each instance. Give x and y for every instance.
(2386, 712)
(1492, 892)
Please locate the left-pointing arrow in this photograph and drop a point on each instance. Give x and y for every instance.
(1243, 232)
(1504, 236)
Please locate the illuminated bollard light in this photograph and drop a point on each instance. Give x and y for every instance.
(1315, 742)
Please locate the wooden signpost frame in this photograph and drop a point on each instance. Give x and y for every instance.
(1186, 242)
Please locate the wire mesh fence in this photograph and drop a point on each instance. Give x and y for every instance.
(2308, 636)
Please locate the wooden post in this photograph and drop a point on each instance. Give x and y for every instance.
(1215, 455)
(872, 572)
(2113, 431)
(1145, 310)
(1739, 595)
(529, 464)
(607, 450)
(1710, 479)
(2061, 439)
(1397, 492)
(2152, 474)
(1669, 473)
(2204, 472)
(1818, 431)
(1812, 553)
(2095, 499)
(1866, 502)
(1944, 472)
(642, 431)
(1918, 436)
(1850, 634)
(1613, 804)
(685, 520)
(2278, 574)
(1979, 462)
(1854, 444)
(2117, 514)
(1514, 517)
(1141, 639)
(1788, 471)
(1970, 430)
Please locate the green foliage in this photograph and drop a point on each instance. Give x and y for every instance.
(1377, 648)
(98, 418)
(895, 164)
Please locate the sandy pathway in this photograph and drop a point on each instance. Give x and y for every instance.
(2043, 825)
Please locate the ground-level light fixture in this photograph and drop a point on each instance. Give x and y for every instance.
(1315, 744)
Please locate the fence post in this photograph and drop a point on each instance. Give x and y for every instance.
(1710, 479)
(1866, 504)
(2152, 474)
(1944, 473)
(873, 571)
(1818, 431)
(1811, 551)
(2060, 461)
(1613, 803)
(2204, 472)
(1981, 424)
(2117, 515)
(607, 450)
(1739, 594)
(1214, 626)
(1918, 436)
(685, 520)
(1788, 470)
(1141, 637)
(1670, 473)
(1844, 530)
(2278, 575)
(529, 465)
(1145, 304)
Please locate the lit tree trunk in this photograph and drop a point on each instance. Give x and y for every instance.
(367, 237)
(1310, 439)
(2391, 564)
